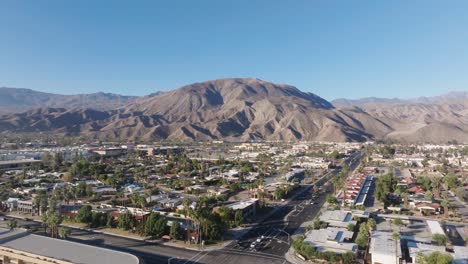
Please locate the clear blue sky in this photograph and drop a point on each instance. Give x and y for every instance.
(332, 48)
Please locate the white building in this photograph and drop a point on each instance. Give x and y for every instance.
(331, 239)
(383, 249)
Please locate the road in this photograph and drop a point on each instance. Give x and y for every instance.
(277, 230)
(282, 225)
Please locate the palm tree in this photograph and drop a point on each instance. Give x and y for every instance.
(186, 204)
(445, 203)
(64, 232)
(436, 183)
(405, 198)
(396, 237)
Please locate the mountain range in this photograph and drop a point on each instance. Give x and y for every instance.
(19, 99)
(236, 109)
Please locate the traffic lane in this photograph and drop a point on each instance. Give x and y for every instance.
(280, 245)
(234, 257)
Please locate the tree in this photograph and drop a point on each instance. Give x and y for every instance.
(440, 239)
(238, 218)
(126, 221)
(176, 231)
(371, 224)
(363, 236)
(428, 195)
(225, 213)
(12, 224)
(52, 219)
(57, 161)
(85, 214)
(137, 200)
(331, 199)
(160, 227)
(40, 202)
(398, 222)
(150, 225)
(396, 237)
(351, 227)
(424, 182)
(385, 185)
(64, 232)
(436, 183)
(435, 257)
(452, 181)
(110, 221)
(348, 257)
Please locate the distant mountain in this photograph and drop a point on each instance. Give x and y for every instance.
(20, 99)
(425, 119)
(342, 102)
(232, 109)
(242, 109)
(369, 102)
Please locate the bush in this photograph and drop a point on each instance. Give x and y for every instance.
(440, 239)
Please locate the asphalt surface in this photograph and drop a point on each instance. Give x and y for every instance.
(276, 231)
(274, 234)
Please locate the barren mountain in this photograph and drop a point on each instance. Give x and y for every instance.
(18, 99)
(425, 119)
(239, 109)
(232, 109)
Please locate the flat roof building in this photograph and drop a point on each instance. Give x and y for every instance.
(331, 239)
(20, 246)
(382, 248)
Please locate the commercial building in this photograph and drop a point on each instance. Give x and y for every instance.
(20, 247)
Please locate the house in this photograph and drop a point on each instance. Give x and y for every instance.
(217, 191)
(460, 255)
(248, 207)
(415, 248)
(132, 188)
(416, 190)
(26, 206)
(110, 152)
(293, 174)
(11, 203)
(104, 190)
(428, 208)
(338, 218)
(384, 249)
(332, 239)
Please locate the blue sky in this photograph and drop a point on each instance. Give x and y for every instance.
(332, 48)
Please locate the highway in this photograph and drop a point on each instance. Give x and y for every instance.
(277, 230)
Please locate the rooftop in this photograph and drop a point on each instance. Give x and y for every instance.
(242, 204)
(382, 243)
(331, 239)
(435, 227)
(21, 240)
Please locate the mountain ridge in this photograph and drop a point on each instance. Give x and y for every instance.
(242, 109)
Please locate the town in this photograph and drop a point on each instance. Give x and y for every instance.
(305, 202)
